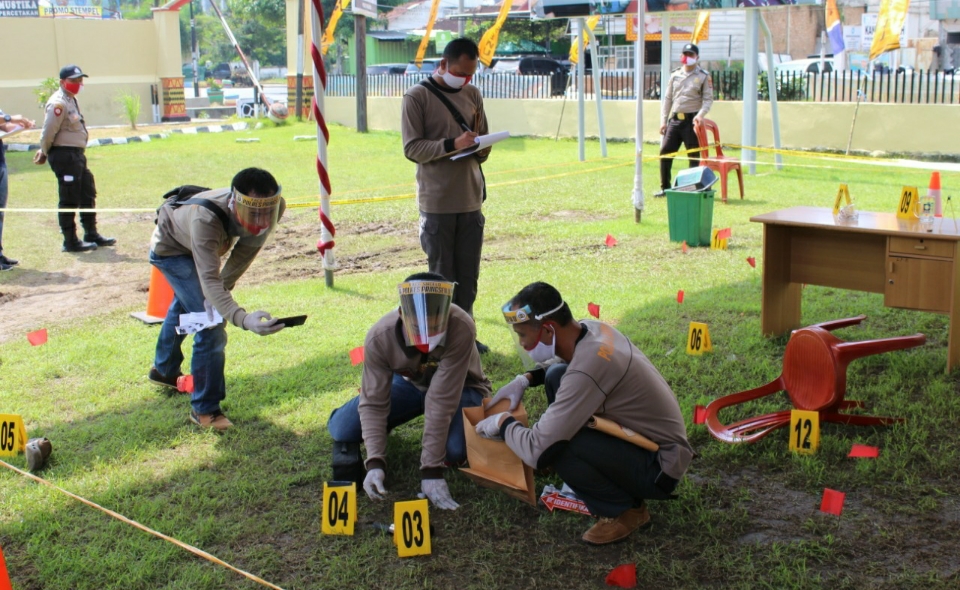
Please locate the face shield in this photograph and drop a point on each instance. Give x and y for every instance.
(425, 309)
(257, 216)
(521, 316)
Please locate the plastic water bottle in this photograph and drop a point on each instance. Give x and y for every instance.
(927, 206)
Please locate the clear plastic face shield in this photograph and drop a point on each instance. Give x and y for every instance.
(257, 216)
(425, 309)
(539, 352)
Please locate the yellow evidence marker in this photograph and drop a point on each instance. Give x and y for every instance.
(338, 516)
(804, 431)
(698, 339)
(13, 436)
(411, 528)
(909, 207)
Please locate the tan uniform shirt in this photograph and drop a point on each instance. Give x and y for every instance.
(608, 376)
(62, 123)
(687, 93)
(443, 186)
(443, 375)
(192, 230)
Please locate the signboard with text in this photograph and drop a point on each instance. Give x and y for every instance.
(14, 8)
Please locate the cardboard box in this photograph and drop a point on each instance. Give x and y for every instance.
(492, 463)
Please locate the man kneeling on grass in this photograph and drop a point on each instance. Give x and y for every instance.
(419, 360)
(608, 377)
(191, 237)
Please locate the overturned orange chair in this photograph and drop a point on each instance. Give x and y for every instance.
(718, 162)
(814, 376)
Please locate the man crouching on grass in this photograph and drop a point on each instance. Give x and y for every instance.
(608, 377)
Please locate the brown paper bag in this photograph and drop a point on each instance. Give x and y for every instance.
(492, 463)
(622, 432)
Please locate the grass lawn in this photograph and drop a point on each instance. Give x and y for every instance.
(747, 517)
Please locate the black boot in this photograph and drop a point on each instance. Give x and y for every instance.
(347, 463)
(72, 244)
(99, 240)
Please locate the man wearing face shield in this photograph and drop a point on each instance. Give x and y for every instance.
(604, 375)
(187, 247)
(686, 101)
(450, 193)
(419, 360)
(63, 142)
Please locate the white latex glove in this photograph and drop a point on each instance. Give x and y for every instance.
(490, 427)
(438, 493)
(512, 391)
(373, 484)
(208, 307)
(262, 323)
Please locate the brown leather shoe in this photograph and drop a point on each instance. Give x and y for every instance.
(611, 530)
(37, 451)
(216, 420)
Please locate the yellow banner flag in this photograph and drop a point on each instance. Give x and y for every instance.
(422, 50)
(702, 28)
(488, 43)
(575, 48)
(327, 40)
(889, 24)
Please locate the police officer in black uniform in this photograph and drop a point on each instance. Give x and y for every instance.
(686, 100)
(63, 142)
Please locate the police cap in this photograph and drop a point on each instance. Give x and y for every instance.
(71, 71)
(690, 48)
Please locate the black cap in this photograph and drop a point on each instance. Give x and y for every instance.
(691, 48)
(67, 72)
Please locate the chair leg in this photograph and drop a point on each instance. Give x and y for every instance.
(848, 351)
(740, 178)
(724, 433)
(723, 185)
(837, 324)
(859, 420)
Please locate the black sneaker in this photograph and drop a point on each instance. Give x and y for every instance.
(100, 240)
(482, 348)
(662, 193)
(4, 267)
(8, 261)
(155, 377)
(78, 246)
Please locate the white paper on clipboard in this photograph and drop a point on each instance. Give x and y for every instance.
(483, 142)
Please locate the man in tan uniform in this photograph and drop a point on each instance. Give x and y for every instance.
(63, 142)
(187, 245)
(606, 376)
(450, 193)
(686, 101)
(419, 360)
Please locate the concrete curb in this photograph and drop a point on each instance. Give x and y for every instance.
(32, 147)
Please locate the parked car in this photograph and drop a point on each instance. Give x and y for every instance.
(386, 69)
(535, 66)
(222, 71)
(806, 66)
(427, 67)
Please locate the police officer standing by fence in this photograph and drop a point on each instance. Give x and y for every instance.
(686, 101)
(63, 142)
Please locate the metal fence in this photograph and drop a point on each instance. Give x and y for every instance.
(913, 87)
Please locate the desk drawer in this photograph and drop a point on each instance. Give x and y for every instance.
(922, 247)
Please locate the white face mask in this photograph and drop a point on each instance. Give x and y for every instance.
(434, 341)
(455, 81)
(689, 60)
(542, 353)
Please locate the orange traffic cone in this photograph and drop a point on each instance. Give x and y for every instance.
(158, 299)
(934, 191)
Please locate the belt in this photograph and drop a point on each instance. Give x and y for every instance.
(67, 148)
(683, 116)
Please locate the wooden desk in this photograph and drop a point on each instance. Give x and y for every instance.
(912, 267)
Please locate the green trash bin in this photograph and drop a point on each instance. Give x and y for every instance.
(690, 215)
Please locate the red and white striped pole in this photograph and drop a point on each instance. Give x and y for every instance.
(327, 230)
(243, 57)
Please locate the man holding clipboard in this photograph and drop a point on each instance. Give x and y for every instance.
(442, 115)
(613, 428)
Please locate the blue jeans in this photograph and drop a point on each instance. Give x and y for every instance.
(206, 366)
(3, 195)
(406, 403)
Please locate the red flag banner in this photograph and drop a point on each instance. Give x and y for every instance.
(38, 337)
(593, 309)
(610, 241)
(356, 355)
(832, 502)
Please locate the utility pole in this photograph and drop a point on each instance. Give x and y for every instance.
(193, 51)
(299, 101)
(360, 37)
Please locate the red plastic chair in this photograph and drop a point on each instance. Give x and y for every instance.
(720, 163)
(814, 376)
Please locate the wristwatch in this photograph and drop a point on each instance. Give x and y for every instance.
(7, 118)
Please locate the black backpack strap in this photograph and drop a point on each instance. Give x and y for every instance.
(432, 87)
(206, 204)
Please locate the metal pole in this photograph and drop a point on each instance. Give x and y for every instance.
(581, 25)
(193, 52)
(638, 69)
(360, 41)
(749, 131)
(597, 94)
(299, 102)
(771, 84)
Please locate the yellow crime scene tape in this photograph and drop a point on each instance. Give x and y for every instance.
(120, 517)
